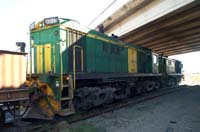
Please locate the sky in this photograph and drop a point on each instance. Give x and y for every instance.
(191, 61)
(17, 15)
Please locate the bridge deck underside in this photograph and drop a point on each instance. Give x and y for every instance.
(174, 33)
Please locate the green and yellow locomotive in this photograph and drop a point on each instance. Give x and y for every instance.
(77, 70)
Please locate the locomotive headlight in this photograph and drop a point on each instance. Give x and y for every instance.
(51, 21)
(32, 26)
(57, 83)
(67, 78)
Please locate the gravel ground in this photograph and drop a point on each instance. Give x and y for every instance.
(176, 112)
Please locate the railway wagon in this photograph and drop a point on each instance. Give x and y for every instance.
(13, 92)
(78, 70)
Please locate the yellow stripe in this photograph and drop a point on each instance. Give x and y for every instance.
(47, 57)
(39, 59)
(43, 28)
(132, 60)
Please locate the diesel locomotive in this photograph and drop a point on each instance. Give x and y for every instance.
(74, 70)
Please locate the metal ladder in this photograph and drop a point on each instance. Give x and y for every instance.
(69, 85)
(67, 107)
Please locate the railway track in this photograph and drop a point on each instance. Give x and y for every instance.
(44, 126)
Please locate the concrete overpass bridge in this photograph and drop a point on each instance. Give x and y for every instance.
(167, 27)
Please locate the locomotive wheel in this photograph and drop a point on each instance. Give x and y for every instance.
(157, 85)
(149, 86)
(18, 109)
(2, 118)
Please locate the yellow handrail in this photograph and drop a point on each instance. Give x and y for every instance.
(54, 58)
(74, 63)
(61, 69)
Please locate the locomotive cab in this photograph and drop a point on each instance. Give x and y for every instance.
(52, 45)
(50, 41)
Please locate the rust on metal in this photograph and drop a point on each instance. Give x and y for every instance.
(9, 95)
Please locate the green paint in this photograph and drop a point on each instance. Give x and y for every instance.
(101, 56)
(144, 60)
(162, 64)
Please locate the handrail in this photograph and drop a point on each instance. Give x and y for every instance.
(74, 63)
(61, 69)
